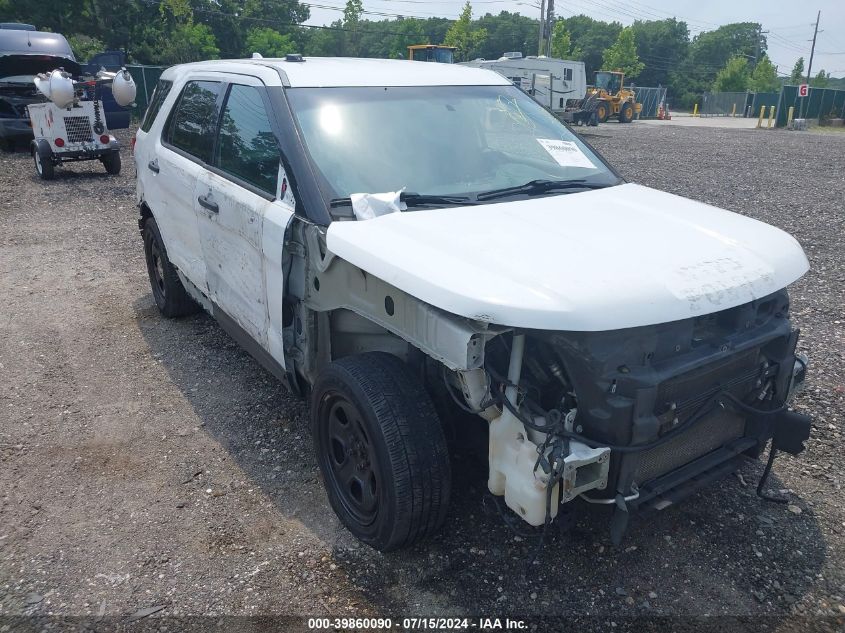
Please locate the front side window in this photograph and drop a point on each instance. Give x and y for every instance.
(438, 140)
(247, 148)
(160, 93)
(194, 119)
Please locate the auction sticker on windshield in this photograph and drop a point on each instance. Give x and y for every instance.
(566, 153)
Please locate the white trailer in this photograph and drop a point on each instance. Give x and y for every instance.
(558, 84)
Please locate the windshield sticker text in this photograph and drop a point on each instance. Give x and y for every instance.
(566, 153)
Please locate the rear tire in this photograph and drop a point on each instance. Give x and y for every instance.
(111, 162)
(626, 113)
(381, 450)
(44, 165)
(168, 291)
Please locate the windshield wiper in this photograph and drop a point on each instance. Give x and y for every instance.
(533, 187)
(412, 200)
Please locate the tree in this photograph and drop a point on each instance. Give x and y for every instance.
(268, 43)
(84, 46)
(709, 53)
(562, 47)
(734, 77)
(188, 43)
(405, 33)
(592, 37)
(797, 75)
(351, 19)
(463, 36)
(820, 80)
(662, 45)
(505, 32)
(623, 54)
(765, 77)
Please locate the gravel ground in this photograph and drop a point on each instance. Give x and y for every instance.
(147, 463)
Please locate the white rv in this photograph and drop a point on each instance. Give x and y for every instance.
(554, 83)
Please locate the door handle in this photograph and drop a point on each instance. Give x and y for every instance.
(153, 166)
(209, 204)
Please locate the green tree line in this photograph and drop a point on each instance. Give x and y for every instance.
(651, 52)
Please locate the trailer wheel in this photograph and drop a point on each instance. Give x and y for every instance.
(44, 165)
(111, 162)
(626, 114)
(381, 450)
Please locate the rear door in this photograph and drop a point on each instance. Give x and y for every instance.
(242, 212)
(180, 156)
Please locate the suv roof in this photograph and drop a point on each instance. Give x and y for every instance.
(326, 72)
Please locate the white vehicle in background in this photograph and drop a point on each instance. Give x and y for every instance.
(557, 84)
(412, 244)
(70, 125)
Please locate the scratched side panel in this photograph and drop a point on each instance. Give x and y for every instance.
(232, 245)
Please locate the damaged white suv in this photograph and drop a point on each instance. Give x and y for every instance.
(402, 241)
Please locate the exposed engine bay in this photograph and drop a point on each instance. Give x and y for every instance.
(636, 418)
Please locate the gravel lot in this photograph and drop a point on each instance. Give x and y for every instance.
(151, 463)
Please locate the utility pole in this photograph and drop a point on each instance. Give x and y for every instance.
(550, 22)
(541, 44)
(810, 65)
(758, 48)
(813, 49)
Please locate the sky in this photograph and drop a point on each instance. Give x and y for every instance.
(790, 26)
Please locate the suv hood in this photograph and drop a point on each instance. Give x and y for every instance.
(612, 258)
(21, 64)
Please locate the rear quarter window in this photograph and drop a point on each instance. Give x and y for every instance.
(193, 122)
(160, 93)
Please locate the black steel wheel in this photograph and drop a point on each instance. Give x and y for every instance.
(381, 450)
(168, 293)
(352, 462)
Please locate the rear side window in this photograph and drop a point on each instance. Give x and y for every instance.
(194, 119)
(247, 147)
(160, 93)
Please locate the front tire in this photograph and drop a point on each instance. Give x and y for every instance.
(381, 450)
(111, 162)
(168, 291)
(44, 165)
(602, 112)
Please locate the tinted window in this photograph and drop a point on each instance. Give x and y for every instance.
(247, 147)
(159, 95)
(193, 121)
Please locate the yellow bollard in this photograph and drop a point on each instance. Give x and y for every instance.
(771, 115)
(789, 115)
(762, 114)
(695, 110)
(733, 110)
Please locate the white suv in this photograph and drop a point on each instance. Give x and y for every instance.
(411, 243)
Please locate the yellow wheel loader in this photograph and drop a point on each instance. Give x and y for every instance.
(610, 98)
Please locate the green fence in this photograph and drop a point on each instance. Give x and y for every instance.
(145, 78)
(763, 99)
(820, 103)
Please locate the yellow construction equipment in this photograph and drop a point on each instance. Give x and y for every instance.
(612, 99)
(432, 53)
